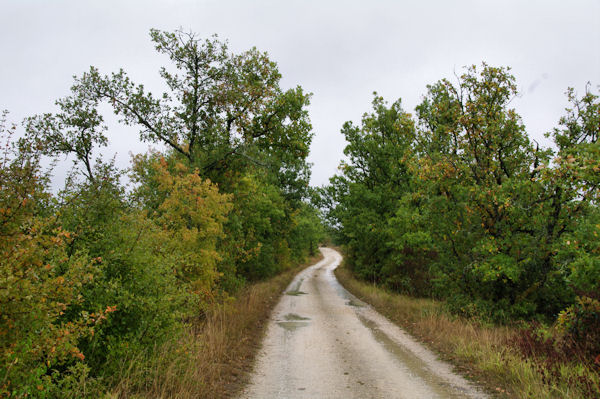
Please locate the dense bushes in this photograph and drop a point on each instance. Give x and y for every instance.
(458, 203)
(101, 271)
(40, 282)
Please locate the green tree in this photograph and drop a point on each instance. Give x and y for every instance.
(222, 111)
(465, 206)
(76, 130)
(375, 177)
(479, 168)
(225, 116)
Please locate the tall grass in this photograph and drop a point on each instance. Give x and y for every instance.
(483, 352)
(209, 358)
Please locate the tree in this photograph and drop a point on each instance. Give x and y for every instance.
(75, 130)
(192, 215)
(225, 116)
(215, 209)
(466, 207)
(222, 111)
(375, 177)
(500, 220)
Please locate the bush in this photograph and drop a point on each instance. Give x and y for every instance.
(580, 323)
(40, 281)
(550, 350)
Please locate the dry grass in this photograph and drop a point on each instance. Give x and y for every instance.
(212, 360)
(480, 352)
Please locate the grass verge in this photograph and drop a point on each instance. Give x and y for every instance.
(213, 358)
(480, 352)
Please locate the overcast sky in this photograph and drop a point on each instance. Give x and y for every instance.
(341, 51)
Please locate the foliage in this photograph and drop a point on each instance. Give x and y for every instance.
(39, 282)
(458, 203)
(373, 180)
(307, 232)
(192, 217)
(552, 351)
(222, 111)
(98, 271)
(224, 116)
(580, 323)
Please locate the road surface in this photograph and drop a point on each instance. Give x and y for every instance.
(322, 342)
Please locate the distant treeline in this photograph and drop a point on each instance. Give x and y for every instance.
(101, 272)
(458, 203)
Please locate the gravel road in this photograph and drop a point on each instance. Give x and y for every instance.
(322, 342)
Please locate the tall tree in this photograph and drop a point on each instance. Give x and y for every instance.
(467, 204)
(371, 182)
(221, 112)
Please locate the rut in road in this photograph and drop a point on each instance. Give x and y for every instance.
(322, 342)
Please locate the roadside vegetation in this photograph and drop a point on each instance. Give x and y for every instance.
(139, 281)
(456, 203)
(211, 358)
(153, 281)
(500, 357)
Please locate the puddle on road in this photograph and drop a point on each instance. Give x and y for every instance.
(293, 322)
(295, 291)
(292, 325)
(413, 364)
(294, 317)
(351, 300)
(355, 303)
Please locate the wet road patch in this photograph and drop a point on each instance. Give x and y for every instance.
(292, 325)
(296, 290)
(294, 317)
(354, 303)
(293, 322)
(295, 293)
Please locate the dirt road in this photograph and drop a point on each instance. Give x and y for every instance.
(324, 343)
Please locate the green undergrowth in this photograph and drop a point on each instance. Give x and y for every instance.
(210, 358)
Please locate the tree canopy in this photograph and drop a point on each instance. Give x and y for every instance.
(103, 271)
(459, 203)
